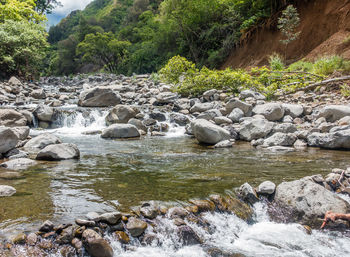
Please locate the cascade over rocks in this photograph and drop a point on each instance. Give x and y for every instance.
(99, 97)
(209, 133)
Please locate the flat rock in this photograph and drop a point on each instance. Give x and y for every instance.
(271, 111)
(120, 131)
(59, 152)
(99, 97)
(41, 141)
(18, 164)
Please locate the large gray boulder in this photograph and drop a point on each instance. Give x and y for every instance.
(59, 152)
(271, 111)
(120, 114)
(334, 140)
(294, 110)
(99, 97)
(309, 201)
(236, 103)
(281, 139)
(41, 141)
(255, 129)
(333, 113)
(21, 132)
(12, 118)
(8, 139)
(120, 131)
(236, 115)
(209, 133)
(44, 113)
(18, 164)
(7, 190)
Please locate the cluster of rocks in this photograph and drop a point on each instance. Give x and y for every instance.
(93, 233)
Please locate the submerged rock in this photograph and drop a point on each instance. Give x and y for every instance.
(309, 200)
(120, 131)
(18, 164)
(209, 133)
(7, 190)
(59, 152)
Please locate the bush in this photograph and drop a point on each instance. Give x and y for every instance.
(327, 65)
(276, 62)
(176, 67)
(301, 66)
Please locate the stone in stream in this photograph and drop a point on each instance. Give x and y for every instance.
(12, 118)
(95, 245)
(21, 132)
(149, 212)
(179, 119)
(32, 238)
(10, 175)
(266, 187)
(41, 141)
(209, 133)
(138, 123)
(334, 140)
(8, 139)
(120, 114)
(333, 113)
(188, 236)
(66, 236)
(122, 237)
(248, 193)
(44, 113)
(136, 226)
(99, 97)
(46, 226)
(38, 94)
(309, 201)
(18, 164)
(59, 152)
(203, 205)
(271, 111)
(224, 144)
(120, 131)
(280, 139)
(111, 218)
(255, 128)
(7, 190)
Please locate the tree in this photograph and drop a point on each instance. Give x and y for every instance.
(19, 10)
(104, 49)
(46, 6)
(288, 23)
(22, 47)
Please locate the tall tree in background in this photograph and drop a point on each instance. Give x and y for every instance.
(18, 10)
(46, 6)
(105, 49)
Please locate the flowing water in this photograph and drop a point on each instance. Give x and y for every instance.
(117, 174)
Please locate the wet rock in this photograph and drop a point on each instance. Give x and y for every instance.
(18, 164)
(149, 212)
(10, 175)
(280, 149)
(120, 114)
(179, 119)
(7, 191)
(32, 239)
(11, 118)
(280, 139)
(95, 245)
(19, 239)
(59, 152)
(188, 236)
(93, 216)
(136, 226)
(122, 237)
(99, 97)
(66, 236)
(41, 141)
(157, 116)
(8, 140)
(203, 205)
(233, 205)
(178, 212)
(224, 144)
(309, 201)
(271, 111)
(333, 140)
(111, 218)
(209, 133)
(15, 82)
(86, 223)
(47, 226)
(44, 113)
(255, 129)
(248, 193)
(120, 131)
(266, 187)
(333, 113)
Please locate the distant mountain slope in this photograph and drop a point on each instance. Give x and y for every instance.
(325, 30)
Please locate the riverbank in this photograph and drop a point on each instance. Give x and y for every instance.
(74, 135)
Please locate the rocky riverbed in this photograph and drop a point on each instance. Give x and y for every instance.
(36, 118)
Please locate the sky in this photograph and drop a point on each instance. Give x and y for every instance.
(67, 6)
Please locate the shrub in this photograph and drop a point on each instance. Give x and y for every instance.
(327, 65)
(176, 67)
(301, 66)
(276, 62)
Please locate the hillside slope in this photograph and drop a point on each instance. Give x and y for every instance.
(325, 30)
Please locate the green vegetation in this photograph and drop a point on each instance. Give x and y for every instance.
(270, 81)
(288, 23)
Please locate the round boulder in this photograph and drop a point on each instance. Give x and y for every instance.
(120, 131)
(209, 133)
(59, 152)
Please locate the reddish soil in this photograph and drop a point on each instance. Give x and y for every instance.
(325, 31)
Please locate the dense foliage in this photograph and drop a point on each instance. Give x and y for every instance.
(22, 37)
(270, 81)
(203, 31)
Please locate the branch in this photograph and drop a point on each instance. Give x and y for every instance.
(313, 86)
